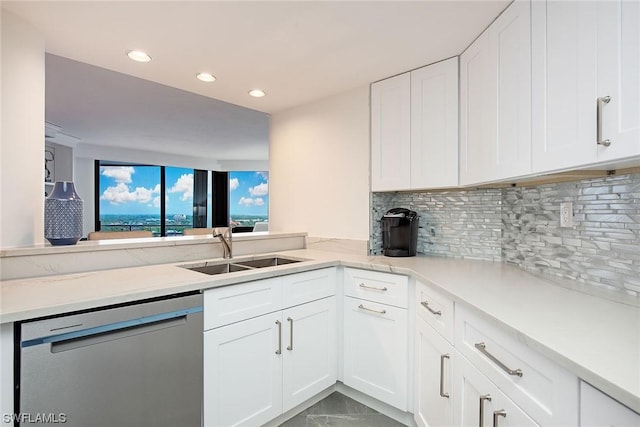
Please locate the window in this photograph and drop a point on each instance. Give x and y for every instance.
(248, 198)
(167, 200)
(128, 198)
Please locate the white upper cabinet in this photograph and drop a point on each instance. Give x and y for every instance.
(434, 125)
(391, 134)
(583, 52)
(495, 100)
(414, 129)
(619, 77)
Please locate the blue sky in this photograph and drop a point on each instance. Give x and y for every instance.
(249, 193)
(136, 190)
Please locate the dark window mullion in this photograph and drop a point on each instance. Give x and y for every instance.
(163, 201)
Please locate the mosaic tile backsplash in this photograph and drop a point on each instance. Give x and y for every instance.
(521, 226)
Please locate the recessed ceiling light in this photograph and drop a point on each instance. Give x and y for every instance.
(257, 93)
(206, 77)
(139, 56)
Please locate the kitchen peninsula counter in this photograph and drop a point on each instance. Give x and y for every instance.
(595, 338)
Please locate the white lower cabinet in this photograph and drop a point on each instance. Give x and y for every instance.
(434, 369)
(481, 403)
(269, 345)
(597, 409)
(309, 354)
(259, 368)
(375, 350)
(243, 373)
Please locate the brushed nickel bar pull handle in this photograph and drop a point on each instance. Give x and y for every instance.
(601, 101)
(483, 397)
(483, 349)
(375, 288)
(496, 414)
(290, 320)
(442, 393)
(425, 304)
(362, 307)
(279, 350)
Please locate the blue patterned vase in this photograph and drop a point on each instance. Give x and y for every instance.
(63, 215)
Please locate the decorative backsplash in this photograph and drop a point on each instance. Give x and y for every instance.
(521, 226)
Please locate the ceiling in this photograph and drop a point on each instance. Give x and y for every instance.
(296, 51)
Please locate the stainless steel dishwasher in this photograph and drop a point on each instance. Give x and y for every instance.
(131, 365)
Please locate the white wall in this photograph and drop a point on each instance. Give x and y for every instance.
(22, 135)
(319, 167)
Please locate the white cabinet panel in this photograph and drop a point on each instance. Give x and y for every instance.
(385, 288)
(510, 41)
(597, 410)
(243, 373)
(375, 350)
(546, 392)
(583, 51)
(434, 125)
(308, 286)
(481, 403)
(619, 77)
(563, 84)
(391, 133)
(434, 398)
(477, 113)
(229, 304)
(435, 309)
(310, 361)
(495, 100)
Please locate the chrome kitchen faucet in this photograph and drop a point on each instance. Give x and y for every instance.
(225, 236)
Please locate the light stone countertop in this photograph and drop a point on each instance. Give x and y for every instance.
(596, 339)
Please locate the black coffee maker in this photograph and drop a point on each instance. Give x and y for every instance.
(400, 232)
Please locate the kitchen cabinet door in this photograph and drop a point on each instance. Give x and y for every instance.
(391, 134)
(495, 100)
(619, 77)
(243, 373)
(310, 362)
(375, 350)
(480, 403)
(564, 69)
(434, 125)
(434, 399)
(477, 113)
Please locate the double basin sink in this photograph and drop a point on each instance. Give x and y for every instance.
(230, 266)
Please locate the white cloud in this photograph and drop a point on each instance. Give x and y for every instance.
(233, 184)
(263, 175)
(122, 194)
(248, 201)
(183, 185)
(121, 174)
(259, 190)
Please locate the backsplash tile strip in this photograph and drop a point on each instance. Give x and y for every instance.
(521, 226)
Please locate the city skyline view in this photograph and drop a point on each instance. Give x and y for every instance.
(135, 190)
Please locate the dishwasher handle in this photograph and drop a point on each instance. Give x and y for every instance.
(109, 332)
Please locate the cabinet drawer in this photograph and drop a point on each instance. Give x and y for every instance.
(230, 304)
(375, 286)
(435, 309)
(308, 286)
(546, 392)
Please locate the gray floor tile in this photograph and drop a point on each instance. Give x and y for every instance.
(338, 410)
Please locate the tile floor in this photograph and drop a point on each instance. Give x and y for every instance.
(338, 410)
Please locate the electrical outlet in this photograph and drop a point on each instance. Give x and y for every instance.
(566, 214)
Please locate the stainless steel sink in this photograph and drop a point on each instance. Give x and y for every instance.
(267, 262)
(233, 266)
(217, 268)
